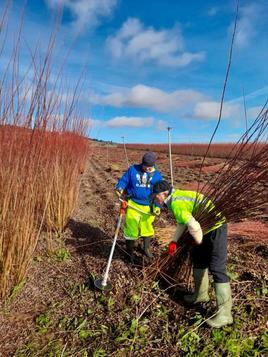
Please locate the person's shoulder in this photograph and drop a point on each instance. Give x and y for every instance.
(132, 169)
(157, 172)
(136, 167)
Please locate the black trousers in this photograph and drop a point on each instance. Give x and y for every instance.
(212, 254)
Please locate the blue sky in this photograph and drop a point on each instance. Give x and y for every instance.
(153, 64)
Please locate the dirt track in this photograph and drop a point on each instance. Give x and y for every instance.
(65, 289)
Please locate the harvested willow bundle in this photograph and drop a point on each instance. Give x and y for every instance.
(235, 193)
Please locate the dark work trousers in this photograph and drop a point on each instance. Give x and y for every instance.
(212, 254)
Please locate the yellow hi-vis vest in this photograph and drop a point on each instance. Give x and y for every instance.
(182, 204)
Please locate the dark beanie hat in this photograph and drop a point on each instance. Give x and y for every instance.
(148, 159)
(161, 186)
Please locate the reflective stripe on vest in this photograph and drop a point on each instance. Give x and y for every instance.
(190, 199)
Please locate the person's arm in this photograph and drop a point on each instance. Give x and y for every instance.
(123, 182)
(156, 207)
(173, 243)
(185, 218)
(179, 232)
(195, 230)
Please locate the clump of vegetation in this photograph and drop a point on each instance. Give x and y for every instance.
(62, 254)
(42, 152)
(143, 319)
(238, 179)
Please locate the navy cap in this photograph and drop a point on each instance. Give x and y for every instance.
(148, 159)
(161, 186)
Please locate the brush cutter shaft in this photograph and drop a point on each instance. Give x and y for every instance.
(105, 278)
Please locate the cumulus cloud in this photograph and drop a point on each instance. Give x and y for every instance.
(132, 122)
(145, 44)
(211, 110)
(127, 121)
(141, 96)
(86, 13)
(95, 123)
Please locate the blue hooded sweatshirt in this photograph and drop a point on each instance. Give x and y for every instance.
(138, 184)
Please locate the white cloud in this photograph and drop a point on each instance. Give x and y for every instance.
(132, 122)
(246, 25)
(211, 110)
(165, 47)
(141, 96)
(94, 123)
(121, 121)
(86, 13)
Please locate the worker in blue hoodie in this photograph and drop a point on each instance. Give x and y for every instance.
(137, 183)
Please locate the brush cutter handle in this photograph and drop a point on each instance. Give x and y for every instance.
(119, 192)
(123, 207)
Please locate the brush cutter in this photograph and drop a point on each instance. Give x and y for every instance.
(103, 283)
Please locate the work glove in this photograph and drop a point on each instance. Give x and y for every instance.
(157, 211)
(119, 192)
(172, 247)
(195, 230)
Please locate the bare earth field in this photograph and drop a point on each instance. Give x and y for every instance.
(59, 313)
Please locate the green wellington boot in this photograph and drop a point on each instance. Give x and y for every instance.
(224, 305)
(146, 247)
(201, 282)
(130, 250)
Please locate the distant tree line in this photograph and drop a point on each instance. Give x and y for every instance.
(110, 142)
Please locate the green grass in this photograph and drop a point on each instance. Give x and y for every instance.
(62, 254)
(144, 320)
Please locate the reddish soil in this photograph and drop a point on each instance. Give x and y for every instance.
(88, 238)
(253, 230)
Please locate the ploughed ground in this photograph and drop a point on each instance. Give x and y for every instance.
(59, 313)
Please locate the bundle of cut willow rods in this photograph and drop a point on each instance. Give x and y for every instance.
(236, 191)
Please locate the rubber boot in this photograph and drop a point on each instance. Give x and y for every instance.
(224, 305)
(146, 247)
(201, 282)
(130, 250)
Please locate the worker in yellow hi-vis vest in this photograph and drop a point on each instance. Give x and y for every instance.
(209, 253)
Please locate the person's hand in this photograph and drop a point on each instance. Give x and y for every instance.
(157, 211)
(123, 207)
(172, 247)
(119, 192)
(124, 204)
